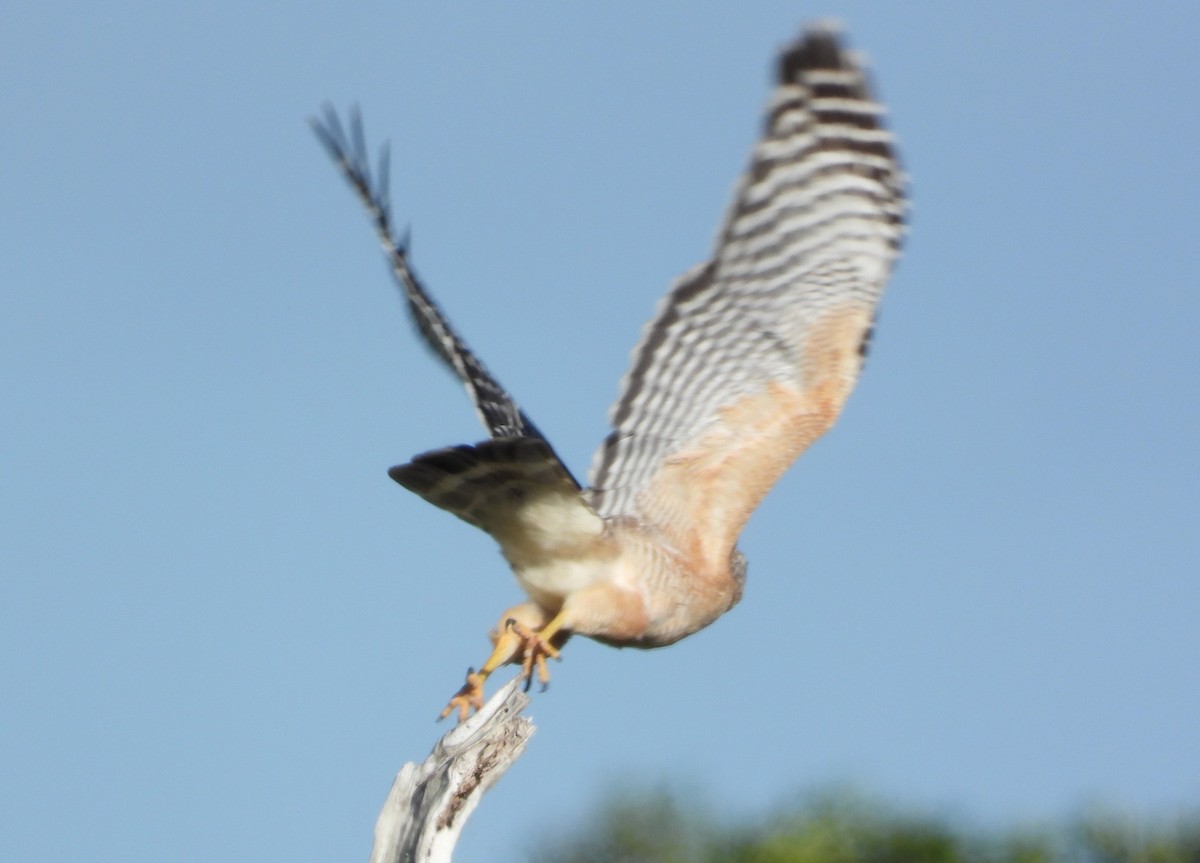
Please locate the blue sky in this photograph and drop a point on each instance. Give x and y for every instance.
(223, 628)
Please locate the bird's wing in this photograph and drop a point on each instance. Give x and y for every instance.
(752, 354)
(497, 410)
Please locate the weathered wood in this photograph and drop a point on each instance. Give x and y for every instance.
(430, 802)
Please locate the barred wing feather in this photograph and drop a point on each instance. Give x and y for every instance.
(752, 354)
(497, 410)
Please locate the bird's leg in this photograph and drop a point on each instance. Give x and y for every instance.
(512, 641)
(539, 645)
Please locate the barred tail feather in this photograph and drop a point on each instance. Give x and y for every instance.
(513, 488)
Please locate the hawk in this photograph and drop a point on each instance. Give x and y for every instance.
(748, 360)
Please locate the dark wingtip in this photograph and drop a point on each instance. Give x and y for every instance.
(819, 47)
(328, 129)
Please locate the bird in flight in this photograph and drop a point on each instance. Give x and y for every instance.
(747, 361)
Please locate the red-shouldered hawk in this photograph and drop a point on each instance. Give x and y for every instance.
(748, 360)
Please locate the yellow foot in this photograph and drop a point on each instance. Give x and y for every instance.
(534, 651)
(470, 696)
(522, 636)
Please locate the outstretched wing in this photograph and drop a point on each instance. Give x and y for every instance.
(496, 408)
(752, 354)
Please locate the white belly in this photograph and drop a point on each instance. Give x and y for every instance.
(549, 583)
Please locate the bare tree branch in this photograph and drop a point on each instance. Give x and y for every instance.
(429, 803)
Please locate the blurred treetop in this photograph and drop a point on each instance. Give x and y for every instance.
(661, 827)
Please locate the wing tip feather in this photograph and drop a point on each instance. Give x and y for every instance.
(819, 47)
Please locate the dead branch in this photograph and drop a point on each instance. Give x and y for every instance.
(430, 802)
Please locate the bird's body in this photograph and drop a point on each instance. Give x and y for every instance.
(748, 360)
(620, 580)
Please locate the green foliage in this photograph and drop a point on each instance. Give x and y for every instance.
(661, 827)
(638, 827)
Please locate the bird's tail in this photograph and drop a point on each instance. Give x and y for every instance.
(514, 488)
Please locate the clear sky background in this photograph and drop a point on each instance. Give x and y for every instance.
(223, 628)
